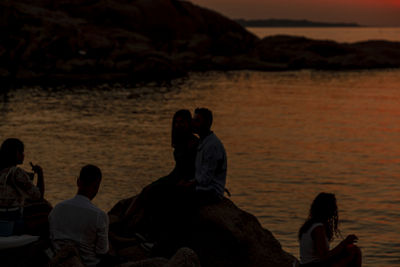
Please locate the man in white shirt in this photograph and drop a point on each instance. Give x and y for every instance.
(211, 162)
(80, 222)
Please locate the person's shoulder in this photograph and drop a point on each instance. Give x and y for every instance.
(63, 203)
(19, 171)
(60, 207)
(317, 228)
(216, 142)
(97, 209)
(20, 175)
(102, 216)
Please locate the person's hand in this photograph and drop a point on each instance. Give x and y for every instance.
(37, 169)
(350, 239)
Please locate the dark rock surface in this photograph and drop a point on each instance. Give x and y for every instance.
(221, 235)
(113, 39)
(291, 23)
(300, 53)
(48, 41)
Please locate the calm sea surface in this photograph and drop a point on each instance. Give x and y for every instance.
(343, 35)
(288, 135)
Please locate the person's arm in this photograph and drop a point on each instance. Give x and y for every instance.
(102, 234)
(319, 238)
(40, 180)
(25, 186)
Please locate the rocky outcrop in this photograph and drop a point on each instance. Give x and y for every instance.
(105, 40)
(300, 53)
(215, 235)
(48, 41)
(220, 234)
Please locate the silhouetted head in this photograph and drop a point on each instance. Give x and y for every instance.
(11, 153)
(323, 210)
(181, 126)
(202, 121)
(89, 181)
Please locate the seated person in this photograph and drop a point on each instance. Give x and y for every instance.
(16, 187)
(184, 143)
(208, 185)
(318, 231)
(81, 223)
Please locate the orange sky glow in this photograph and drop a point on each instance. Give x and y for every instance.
(364, 12)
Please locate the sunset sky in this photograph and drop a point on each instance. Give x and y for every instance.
(365, 12)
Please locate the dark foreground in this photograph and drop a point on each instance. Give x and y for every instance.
(221, 235)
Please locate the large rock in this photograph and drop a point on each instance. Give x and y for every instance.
(221, 235)
(47, 41)
(72, 40)
(300, 53)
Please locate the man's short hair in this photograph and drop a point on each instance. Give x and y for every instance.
(90, 174)
(206, 114)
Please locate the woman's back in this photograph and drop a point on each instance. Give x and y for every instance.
(308, 252)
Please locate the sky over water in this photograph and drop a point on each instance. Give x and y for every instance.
(365, 12)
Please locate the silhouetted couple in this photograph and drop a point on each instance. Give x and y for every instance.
(198, 178)
(200, 164)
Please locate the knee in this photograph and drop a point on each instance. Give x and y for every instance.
(353, 250)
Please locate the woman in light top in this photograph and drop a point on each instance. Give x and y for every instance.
(319, 230)
(16, 184)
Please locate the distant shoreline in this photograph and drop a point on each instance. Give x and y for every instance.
(292, 23)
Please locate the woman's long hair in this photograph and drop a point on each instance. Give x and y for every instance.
(8, 152)
(323, 210)
(176, 137)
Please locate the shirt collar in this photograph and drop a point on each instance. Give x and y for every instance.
(82, 197)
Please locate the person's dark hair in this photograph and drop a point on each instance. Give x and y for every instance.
(186, 116)
(8, 152)
(206, 114)
(323, 210)
(89, 174)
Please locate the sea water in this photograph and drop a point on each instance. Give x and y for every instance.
(288, 136)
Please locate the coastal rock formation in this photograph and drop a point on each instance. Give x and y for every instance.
(300, 53)
(113, 39)
(49, 41)
(221, 235)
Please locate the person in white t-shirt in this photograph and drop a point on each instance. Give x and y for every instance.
(319, 230)
(79, 222)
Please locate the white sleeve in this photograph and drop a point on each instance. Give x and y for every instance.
(102, 234)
